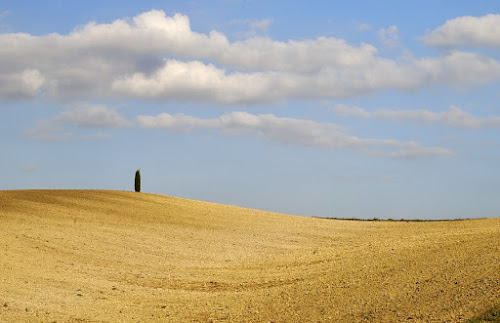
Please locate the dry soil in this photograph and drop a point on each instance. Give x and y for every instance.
(107, 256)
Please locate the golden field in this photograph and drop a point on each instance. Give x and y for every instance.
(108, 256)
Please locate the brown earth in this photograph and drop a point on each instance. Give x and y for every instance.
(106, 256)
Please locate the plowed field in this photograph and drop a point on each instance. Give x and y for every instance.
(107, 256)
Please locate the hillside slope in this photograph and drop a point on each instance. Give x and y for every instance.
(101, 256)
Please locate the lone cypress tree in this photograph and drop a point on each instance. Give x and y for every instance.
(138, 181)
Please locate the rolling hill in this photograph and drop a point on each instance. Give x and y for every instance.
(107, 256)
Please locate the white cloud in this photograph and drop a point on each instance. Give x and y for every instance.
(22, 84)
(195, 81)
(364, 27)
(159, 57)
(303, 56)
(82, 116)
(261, 25)
(453, 117)
(389, 36)
(460, 68)
(420, 152)
(350, 111)
(290, 131)
(47, 129)
(154, 33)
(253, 28)
(92, 116)
(467, 31)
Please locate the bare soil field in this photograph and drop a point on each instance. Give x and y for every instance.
(108, 256)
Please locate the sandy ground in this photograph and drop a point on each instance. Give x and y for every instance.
(106, 256)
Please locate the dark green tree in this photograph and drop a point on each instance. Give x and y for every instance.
(138, 181)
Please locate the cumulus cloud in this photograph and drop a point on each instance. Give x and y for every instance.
(159, 57)
(195, 81)
(460, 67)
(303, 56)
(467, 31)
(154, 33)
(453, 117)
(290, 131)
(22, 84)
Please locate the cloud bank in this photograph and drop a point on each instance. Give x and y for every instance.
(290, 131)
(158, 57)
(154, 56)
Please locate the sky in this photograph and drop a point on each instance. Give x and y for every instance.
(386, 109)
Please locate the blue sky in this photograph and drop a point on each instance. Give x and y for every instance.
(364, 109)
